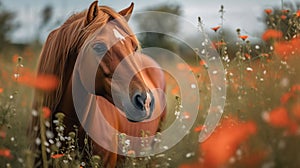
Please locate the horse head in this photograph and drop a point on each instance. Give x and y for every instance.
(109, 63)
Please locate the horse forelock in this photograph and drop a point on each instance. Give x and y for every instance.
(62, 46)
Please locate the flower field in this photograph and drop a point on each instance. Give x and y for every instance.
(260, 125)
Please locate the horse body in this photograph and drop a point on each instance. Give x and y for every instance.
(83, 43)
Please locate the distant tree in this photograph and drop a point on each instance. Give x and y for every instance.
(7, 25)
(156, 39)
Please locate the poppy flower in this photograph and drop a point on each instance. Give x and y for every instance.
(223, 143)
(2, 134)
(186, 115)
(296, 110)
(268, 11)
(283, 49)
(46, 82)
(216, 28)
(199, 128)
(285, 97)
(248, 56)
(15, 58)
(271, 34)
(1, 90)
(6, 153)
(46, 112)
(285, 11)
(283, 17)
(218, 44)
(56, 156)
(278, 117)
(175, 90)
(298, 13)
(243, 37)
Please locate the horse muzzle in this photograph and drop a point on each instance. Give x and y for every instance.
(140, 107)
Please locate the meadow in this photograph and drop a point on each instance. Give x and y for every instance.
(260, 126)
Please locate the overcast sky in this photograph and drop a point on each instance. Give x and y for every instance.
(242, 14)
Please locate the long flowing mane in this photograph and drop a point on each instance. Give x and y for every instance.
(62, 46)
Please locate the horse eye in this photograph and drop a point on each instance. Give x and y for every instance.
(100, 48)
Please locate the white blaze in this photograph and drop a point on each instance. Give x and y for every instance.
(118, 35)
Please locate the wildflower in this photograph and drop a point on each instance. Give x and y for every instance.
(131, 153)
(285, 11)
(6, 153)
(1, 90)
(219, 44)
(56, 156)
(283, 17)
(283, 49)
(295, 88)
(15, 58)
(2, 134)
(199, 128)
(285, 97)
(186, 115)
(224, 142)
(248, 56)
(268, 11)
(243, 37)
(296, 110)
(216, 28)
(278, 117)
(271, 34)
(46, 112)
(175, 90)
(298, 13)
(47, 82)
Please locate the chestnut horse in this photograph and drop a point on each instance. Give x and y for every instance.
(106, 85)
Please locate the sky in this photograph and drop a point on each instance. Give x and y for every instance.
(243, 14)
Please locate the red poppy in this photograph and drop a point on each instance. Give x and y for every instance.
(47, 82)
(56, 156)
(216, 28)
(295, 88)
(6, 153)
(271, 34)
(2, 134)
(278, 117)
(268, 11)
(46, 112)
(283, 17)
(285, 97)
(15, 58)
(285, 11)
(283, 49)
(175, 90)
(296, 110)
(223, 143)
(248, 56)
(186, 115)
(199, 128)
(1, 90)
(298, 13)
(218, 44)
(243, 37)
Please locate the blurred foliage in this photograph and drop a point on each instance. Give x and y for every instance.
(7, 25)
(150, 39)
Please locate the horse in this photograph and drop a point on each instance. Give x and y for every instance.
(107, 87)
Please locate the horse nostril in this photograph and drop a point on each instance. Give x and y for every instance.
(139, 101)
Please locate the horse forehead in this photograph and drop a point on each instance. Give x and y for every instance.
(110, 34)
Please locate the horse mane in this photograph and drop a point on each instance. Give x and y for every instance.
(62, 46)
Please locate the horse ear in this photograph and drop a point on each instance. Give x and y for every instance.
(92, 12)
(127, 12)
